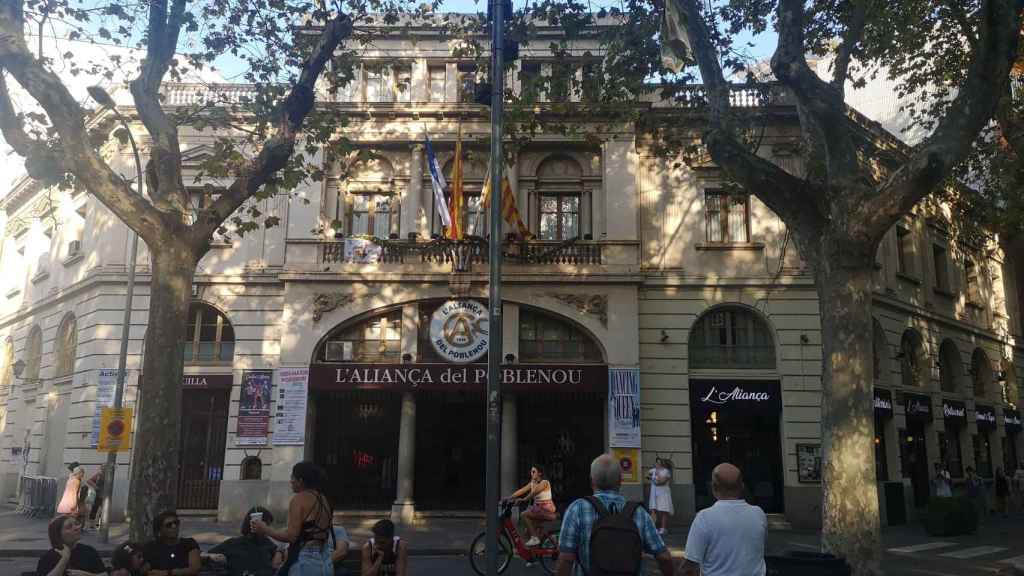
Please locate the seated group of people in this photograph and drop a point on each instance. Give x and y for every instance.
(314, 544)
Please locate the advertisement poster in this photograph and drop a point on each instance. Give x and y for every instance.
(629, 461)
(290, 413)
(254, 407)
(624, 407)
(115, 430)
(104, 399)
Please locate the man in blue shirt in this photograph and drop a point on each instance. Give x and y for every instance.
(574, 539)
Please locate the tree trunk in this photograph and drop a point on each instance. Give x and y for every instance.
(850, 517)
(154, 481)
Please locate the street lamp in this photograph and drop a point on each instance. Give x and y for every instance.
(109, 470)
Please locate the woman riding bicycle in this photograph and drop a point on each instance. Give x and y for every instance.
(543, 508)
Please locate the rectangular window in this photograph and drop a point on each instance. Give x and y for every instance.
(939, 260)
(559, 216)
(591, 89)
(983, 454)
(467, 82)
(949, 450)
(903, 251)
(475, 215)
(370, 215)
(437, 83)
(378, 84)
(727, 216)
(530, 82)
(971, 279)
(562, 76)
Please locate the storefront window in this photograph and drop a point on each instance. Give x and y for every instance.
(731, 338)
(983, 454)
(881, 466)
(543, 338)
(210, 335)
(949, 450)
(378, 339)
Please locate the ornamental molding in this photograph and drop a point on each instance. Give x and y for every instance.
(592, 304)
(324, 303)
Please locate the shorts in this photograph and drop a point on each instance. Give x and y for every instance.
(544, 510)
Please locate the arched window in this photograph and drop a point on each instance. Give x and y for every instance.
(210, 337)
(560, 199)
(67, 342)
(880, 351)
(33, 355)
(7, 365)
(370, 200)
(731, 337)
(544, 338)
(376, 339)
(981, 373)
(950, 367)
(911, 358)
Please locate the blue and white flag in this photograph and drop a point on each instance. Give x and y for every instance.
(438, 183)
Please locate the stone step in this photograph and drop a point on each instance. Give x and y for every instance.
(778, 522)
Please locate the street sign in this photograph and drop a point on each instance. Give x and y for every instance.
(115, 430)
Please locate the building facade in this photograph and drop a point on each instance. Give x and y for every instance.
(349, 335)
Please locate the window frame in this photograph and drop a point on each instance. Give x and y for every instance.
(196, 321)
(33, 355)
(66, 347)
(972, 281)
(902, 253)
(940, 268)
(724, 212)
(373, 202)
(533, 350)
(740, 329)
(431, 95)
(357, 330)
(559, 214)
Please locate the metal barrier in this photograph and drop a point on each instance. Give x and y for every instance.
(38, 496)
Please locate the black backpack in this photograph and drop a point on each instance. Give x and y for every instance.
(616, 548)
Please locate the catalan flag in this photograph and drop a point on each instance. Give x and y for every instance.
(509, 210)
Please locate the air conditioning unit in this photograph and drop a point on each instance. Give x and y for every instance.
(74, 247)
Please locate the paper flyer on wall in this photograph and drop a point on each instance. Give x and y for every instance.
(254, 408)
(290, 410)
(624, 407)
(105, 386)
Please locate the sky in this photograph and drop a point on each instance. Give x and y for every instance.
(56, 44)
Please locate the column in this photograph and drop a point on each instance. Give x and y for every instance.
(619, 162)
(403, 510)
(413, 199)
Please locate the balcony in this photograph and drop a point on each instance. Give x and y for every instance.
(732, 357)
(461, 255)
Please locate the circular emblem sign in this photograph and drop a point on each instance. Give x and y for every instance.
(458, 330)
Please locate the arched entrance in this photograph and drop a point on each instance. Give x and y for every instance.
(736, 419)
(397, 418)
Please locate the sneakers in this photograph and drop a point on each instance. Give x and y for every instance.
(533, 541)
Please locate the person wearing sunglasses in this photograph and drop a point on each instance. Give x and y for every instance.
(168, 554)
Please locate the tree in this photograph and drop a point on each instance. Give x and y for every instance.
(283, 48)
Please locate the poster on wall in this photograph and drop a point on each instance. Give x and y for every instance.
(104, 399)
(254, 407)
(290, 410)
(808, 462)
(624, 407)
(629, 462)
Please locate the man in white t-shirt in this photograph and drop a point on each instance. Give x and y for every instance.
(728, 538)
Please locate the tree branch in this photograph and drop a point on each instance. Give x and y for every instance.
(956, 7)
(289, 115)
(975, 103)
(851, 37)
(1011, 124)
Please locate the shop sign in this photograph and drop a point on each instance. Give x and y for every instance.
(955, 411)
(207, 381)
(883, 403)
(985, 416)
(516, 377)
(1011, 419)
(745, 395)
(918, 407)
(458, 330)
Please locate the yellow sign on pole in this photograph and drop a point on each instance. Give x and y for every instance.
(115, 430)
(629, 461)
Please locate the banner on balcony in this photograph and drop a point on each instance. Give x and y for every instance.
(624, 407)
(290, 409)
(104, 399)
(362, 251)
(254, 408)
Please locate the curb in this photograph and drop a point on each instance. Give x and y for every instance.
(106, 552)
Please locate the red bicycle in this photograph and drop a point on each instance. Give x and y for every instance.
(509, 543)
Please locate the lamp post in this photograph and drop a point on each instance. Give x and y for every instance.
(109, 470)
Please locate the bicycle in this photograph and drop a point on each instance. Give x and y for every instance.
(510, 543)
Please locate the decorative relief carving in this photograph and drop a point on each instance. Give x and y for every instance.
(593, 304)
(324, 303)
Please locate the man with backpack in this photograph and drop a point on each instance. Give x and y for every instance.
(606, 536)
(728, 538)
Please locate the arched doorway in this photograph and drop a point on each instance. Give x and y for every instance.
(737, 418)
(396, 419)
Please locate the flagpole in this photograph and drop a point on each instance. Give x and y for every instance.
(494, 329)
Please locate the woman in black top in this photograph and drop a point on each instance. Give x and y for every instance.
(167, 554)
(67, 557)
(385, 554)
(127, 560)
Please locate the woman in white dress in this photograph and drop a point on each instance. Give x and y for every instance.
(661, 494)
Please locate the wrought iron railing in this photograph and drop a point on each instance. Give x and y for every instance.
(463, 254)
(725, 357)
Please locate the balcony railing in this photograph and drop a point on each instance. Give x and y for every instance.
(727, 357)
(463, 254)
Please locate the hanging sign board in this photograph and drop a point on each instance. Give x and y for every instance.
(883, 403)
(1011, 420)
(918, 407)
(470, 377)
(954, 411)
(115, 430)
(747, 396)
(985, 416)
(458, 330)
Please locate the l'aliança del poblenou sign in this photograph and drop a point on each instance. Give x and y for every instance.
(458, 330)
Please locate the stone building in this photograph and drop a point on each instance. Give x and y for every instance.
(642, 265)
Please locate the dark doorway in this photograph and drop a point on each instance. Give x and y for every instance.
(204, 424)
(914, 460)
(356, 441)
(563, 433)
(450, 443)
(727, 428)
